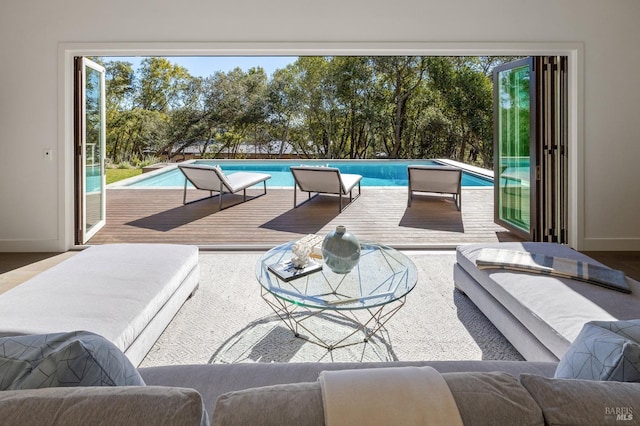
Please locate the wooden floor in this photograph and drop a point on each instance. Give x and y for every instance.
(379, 214)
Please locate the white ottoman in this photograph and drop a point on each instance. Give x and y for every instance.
(128, 293)
(540, 314)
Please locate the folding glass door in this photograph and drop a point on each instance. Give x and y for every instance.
(530, 156)
(90, 136)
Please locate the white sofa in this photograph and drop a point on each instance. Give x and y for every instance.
(127, 293)
(540, 315)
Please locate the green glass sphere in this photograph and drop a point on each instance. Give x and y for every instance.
(341, 250)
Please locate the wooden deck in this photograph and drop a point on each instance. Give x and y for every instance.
(379, 214)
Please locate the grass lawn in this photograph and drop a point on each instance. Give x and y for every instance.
(114, 175)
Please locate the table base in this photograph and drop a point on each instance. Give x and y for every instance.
(368, 321)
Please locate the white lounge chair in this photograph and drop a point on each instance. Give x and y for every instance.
(437, 179)
(212, 178)
(324, 180)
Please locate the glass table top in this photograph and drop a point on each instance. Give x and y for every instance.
(383, 275)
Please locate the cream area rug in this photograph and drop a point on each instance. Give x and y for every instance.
(227, 321)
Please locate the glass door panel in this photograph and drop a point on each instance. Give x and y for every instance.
(91, 149)
(514, 157)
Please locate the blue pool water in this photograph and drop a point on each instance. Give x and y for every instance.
(93, 179)
(375, 173)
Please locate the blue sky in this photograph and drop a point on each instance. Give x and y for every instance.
(204, 66)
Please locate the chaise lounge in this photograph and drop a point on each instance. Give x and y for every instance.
(541, 315)
(127, 293)
(438, 179)
(324, 180)
(212, 178)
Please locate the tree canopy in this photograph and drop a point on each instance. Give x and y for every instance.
(322, 107)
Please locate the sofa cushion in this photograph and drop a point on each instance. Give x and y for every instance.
(604, 351)
(126, 405)
(553, 309)
(290, 404)
(584, 402)
(63, 359)
(482, 399)
(213, 380)
(494, 398)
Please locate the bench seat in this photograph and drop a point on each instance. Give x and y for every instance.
(540, 315)
(127, 293)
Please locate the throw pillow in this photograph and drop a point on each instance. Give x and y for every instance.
(63, 359)
(604, 350)
(584, 402)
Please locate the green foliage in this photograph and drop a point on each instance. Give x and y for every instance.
(324, 107)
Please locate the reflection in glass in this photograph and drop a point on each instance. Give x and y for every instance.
(93, 147)
(514, 162)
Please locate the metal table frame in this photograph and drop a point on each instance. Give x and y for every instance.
(368, 313)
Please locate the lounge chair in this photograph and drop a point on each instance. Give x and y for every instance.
(438, 179)
(324, 180)
(212, 178)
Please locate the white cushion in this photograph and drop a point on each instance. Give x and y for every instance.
(112, 290)
(553, 309)
(349, 181)
(242, 180)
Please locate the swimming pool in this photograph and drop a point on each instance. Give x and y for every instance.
(374, 172)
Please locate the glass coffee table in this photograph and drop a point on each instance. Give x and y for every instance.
(365, 298)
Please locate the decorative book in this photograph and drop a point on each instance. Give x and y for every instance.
(551, 265)
(287, 272)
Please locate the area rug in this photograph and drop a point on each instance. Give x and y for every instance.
(227, 321)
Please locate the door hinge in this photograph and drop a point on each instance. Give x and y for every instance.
(538, 173)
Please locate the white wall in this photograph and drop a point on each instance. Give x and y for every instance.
(35, 201)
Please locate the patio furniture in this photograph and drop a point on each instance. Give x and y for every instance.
(324, 180)
(437, 179)
(212, 178)
(364, 298)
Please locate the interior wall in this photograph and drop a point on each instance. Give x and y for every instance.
(35, 203)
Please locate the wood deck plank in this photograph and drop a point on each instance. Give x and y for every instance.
(379, 214)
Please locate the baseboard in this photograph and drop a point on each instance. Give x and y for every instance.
(611, 244)
(20, 246)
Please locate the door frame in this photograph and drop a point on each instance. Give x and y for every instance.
(81, 233)
(573, 50)
(533, 221)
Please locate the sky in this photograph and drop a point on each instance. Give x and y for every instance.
(205, 66)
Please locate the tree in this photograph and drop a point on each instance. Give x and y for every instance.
(236, 104)
(400, 76)
(316, 92)
(283, 106)
(467, 99)
(325, 107)
(353, 77)
(119, 82)
(161, 85)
